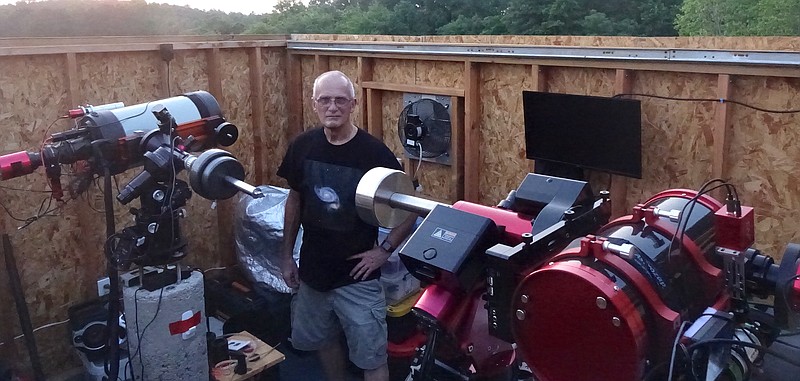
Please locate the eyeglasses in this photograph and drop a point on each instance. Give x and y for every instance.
(326, 101)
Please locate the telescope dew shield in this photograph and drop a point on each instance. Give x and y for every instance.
(129, 130)
(18, 164)
(139, 119)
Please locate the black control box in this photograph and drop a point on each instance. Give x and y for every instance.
(447, 248)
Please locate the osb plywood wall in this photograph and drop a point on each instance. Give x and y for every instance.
(503, 145)
(274, 139)
(764, 160)
(679, 138)
(60, 257)
(56, 263)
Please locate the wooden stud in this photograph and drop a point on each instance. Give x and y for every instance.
(623, 83)
(164, 80)
(538, 83)
(212, 70)
(457, 148)
(722, 139)
(257, 121)
(472, 131)
(404, 88)
(73, 96)
(375, 113)
(321, 64)
(225, 246)
(539, 78)
(365, 71)
(294, 95)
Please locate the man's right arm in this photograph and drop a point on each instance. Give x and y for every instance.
(291, 227)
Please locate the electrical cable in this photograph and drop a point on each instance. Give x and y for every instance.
(139, 335)
(419, 163)
(720, 100)
(25, 190)
(759, 347)
(683, 218)
(44, 139)
(48, 212)
(174, 182)
(674, 348)
(39, 329)
(208, 321)
(693, 202)
(129, 364)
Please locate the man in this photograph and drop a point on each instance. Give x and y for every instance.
(337, 284)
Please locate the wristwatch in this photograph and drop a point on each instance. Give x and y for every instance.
(386, 245)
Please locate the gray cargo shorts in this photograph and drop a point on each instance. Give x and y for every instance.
(358, 309)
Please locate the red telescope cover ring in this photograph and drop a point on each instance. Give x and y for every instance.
(576, 325)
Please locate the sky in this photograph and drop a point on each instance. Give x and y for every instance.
(241, 6)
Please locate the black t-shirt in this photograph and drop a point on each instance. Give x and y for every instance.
(326, 177)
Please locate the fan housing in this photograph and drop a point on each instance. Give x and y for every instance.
(425, 122)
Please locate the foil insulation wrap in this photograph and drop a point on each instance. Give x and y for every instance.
(259, 237)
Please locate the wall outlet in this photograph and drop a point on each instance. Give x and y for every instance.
(103, 286)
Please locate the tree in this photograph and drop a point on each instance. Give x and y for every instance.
(136, 17)
(377, 19)
(463, 25)
(526, 17)
(657, 17)
(778, 18)
(297, 18)
(591, 17)
(717, 17)
(597, 24)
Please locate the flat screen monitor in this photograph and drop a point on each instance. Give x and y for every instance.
(590, 132)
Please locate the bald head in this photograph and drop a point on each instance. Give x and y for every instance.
(333, 77)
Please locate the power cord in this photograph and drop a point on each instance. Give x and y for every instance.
(720, 100)
(39, 329)
(683, 218)
(41, 213)
(415, 181)
(674, 348)
(139, 335)
(758, 347)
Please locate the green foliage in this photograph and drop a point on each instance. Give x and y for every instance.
(591, 17)
(376, 19)
(778, 18)
(297, 18)
(410, 17)
(63, 18)
(739, 18)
